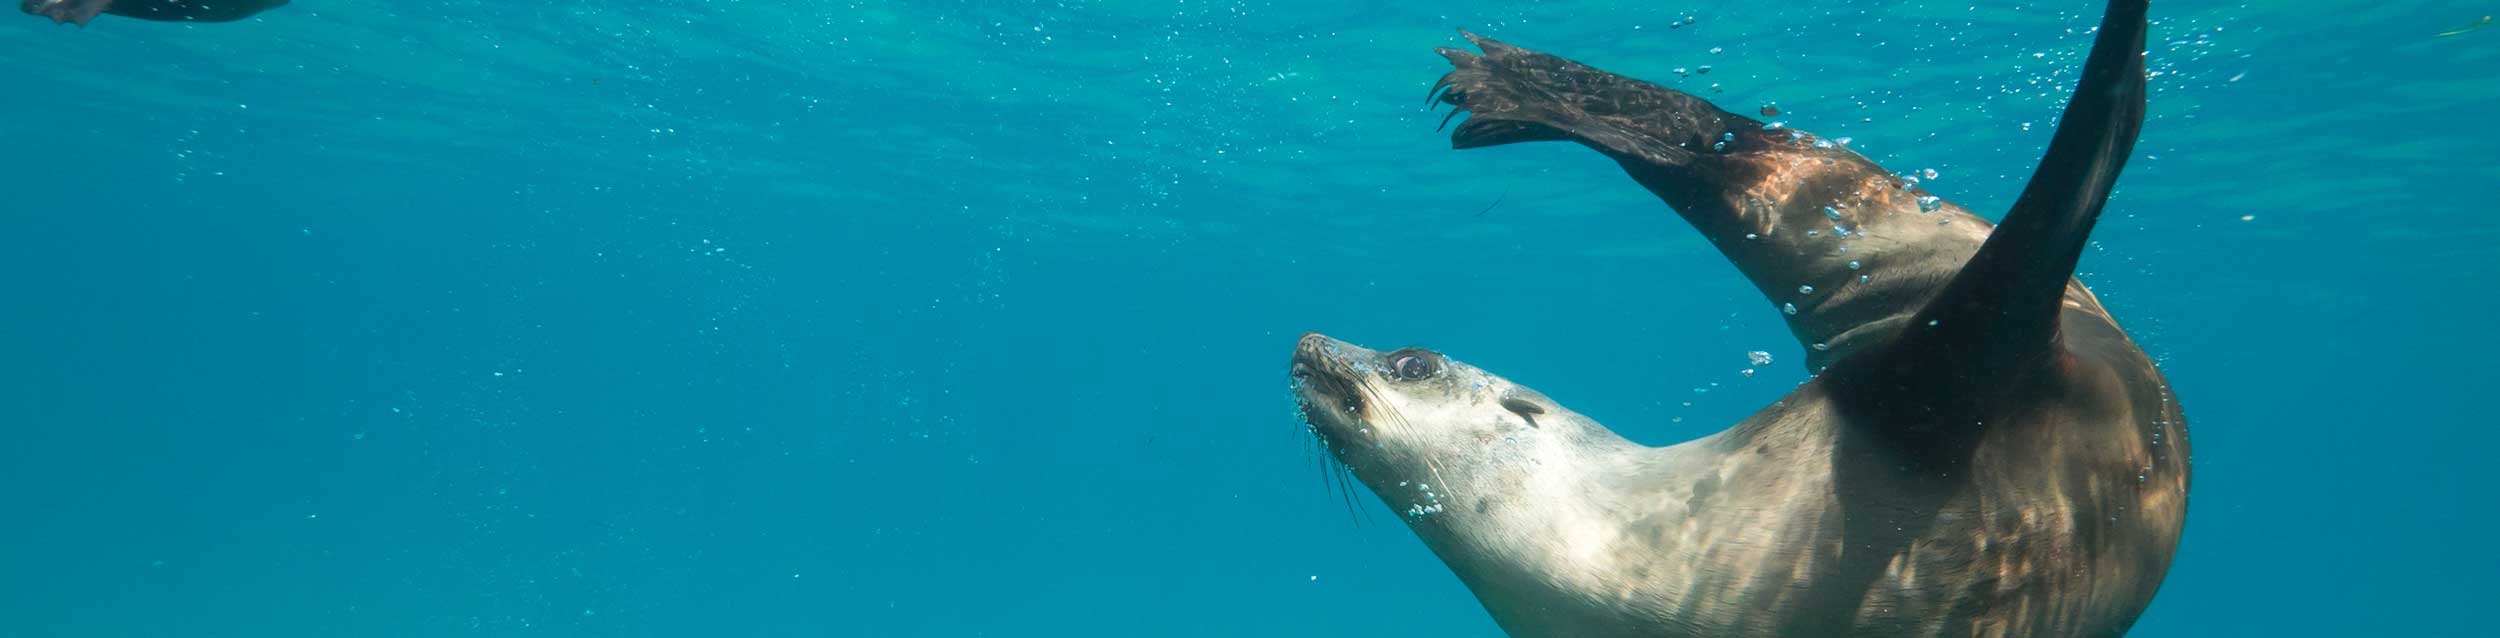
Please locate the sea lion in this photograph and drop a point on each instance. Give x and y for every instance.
(81, 11)
(1982, 452)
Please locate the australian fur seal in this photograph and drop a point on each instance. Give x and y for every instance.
(1984, 452)
(82, 11)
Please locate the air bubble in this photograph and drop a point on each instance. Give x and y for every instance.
(1855, 265)
(1833, 213)
(1758, 357)
(1822, 347)
(1929, 203)
(1788, 308)
(1805, 290)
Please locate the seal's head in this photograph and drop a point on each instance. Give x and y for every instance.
(1431, 435)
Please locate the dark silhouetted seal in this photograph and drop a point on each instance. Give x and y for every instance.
(1983, 452)
(80, 11)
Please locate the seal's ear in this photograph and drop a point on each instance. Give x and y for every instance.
(1523, 408)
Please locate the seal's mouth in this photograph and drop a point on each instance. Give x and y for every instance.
(1331, 400)
(1324, 383)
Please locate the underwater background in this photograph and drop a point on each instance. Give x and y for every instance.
(725, 318)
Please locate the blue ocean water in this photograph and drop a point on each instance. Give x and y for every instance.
(971, 318)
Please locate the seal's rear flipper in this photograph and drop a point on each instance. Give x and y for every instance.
(77, 12)
(2002, 310)
(1783, 205)
(1518, 95)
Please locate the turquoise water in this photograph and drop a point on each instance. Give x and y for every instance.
(971, 319)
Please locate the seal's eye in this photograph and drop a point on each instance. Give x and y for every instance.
(1412, 366)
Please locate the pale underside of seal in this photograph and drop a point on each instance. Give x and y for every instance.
(1983, 450)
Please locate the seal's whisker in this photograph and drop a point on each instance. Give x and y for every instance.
(1327, 468)
(1352, 511)
(1361, 514)
(1319, 451)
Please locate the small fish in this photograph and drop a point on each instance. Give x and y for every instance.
(2478, 24)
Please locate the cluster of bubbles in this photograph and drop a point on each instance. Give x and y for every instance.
(1757, 358)
(1430, 504)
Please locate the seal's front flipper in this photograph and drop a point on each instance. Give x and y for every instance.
(2002, 311)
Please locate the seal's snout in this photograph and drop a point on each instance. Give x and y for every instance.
(1321, 378)
(1314, 352)
(1312, 341)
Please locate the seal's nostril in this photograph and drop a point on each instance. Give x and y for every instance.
(1311, 340)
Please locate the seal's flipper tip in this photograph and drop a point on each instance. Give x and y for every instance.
(2004, 305)
(1492, 47)
(1463, 62)
(1483, 132)
(1495, 117)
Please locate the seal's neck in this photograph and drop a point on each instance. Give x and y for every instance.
(1550, 528)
